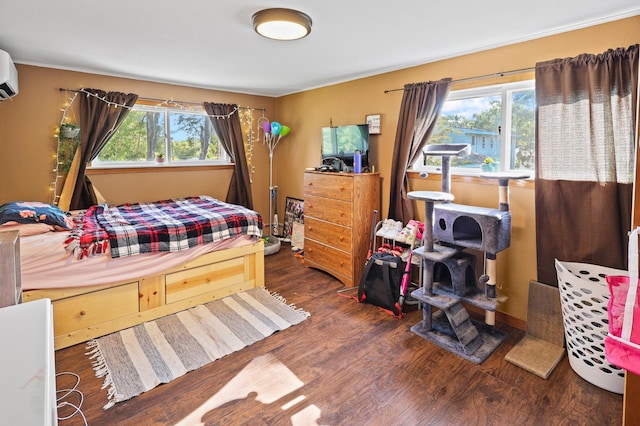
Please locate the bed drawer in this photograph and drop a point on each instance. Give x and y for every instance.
(195, 281)
(94, 308)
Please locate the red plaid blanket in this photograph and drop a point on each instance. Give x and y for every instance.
(163, 226)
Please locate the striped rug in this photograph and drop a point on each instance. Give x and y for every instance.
(140, 358)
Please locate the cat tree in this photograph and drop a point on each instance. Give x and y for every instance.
(448, 272)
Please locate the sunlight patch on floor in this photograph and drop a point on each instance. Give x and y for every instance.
(266, 378)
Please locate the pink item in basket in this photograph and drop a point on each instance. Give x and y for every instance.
(622, 343)
(620, 351)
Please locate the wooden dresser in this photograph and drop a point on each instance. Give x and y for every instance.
(338, 215)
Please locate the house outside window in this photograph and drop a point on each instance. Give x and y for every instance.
(153, 136)
(498, 122)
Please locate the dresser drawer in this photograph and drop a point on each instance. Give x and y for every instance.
(334, 211)
(329, 258)
(328, 233)
(328, 185)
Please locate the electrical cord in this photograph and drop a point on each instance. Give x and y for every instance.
(67, 393)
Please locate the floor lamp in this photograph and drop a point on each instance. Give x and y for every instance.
(273, 134)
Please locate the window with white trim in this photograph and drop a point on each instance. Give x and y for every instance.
(497, 122)
(152, 135)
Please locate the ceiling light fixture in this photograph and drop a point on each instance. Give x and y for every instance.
(282, 24)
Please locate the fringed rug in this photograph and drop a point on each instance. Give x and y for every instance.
(140, 358)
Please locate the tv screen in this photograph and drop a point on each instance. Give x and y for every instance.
(342, 142)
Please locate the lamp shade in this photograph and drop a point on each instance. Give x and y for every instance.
(282, 24)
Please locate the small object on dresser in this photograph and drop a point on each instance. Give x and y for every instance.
(357, 162)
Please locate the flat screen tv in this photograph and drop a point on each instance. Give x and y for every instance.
(342, 142)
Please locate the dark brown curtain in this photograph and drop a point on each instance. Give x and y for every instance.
(101, 114)
(419, 111)
(586, 121)
(226, 123)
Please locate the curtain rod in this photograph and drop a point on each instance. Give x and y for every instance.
(480, 77)
(167, 100)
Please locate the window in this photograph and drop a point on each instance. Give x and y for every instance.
(150, 135)
(498, 122)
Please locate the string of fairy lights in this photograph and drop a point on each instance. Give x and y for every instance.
(68, 118)
(246, 121)
(66, 109)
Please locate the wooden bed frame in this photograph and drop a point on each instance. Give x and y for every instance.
(84, 313)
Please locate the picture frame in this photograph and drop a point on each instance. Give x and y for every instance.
(293, 212)
(373, 120)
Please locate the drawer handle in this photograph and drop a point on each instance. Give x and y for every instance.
(83, 313)
(310, 228)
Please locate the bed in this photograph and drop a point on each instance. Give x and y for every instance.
(97, 295)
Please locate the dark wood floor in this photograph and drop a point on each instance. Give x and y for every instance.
(358, 366)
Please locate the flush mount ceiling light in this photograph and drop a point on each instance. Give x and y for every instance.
(282, 24)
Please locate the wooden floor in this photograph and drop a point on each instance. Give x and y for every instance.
(357, 366)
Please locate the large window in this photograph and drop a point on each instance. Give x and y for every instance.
(158, 135)
(497, 122)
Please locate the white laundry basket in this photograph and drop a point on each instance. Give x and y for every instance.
(584, 296)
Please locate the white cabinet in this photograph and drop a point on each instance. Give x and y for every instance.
(27, 365)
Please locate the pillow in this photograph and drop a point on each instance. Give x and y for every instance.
(26, 229)
(34, 212)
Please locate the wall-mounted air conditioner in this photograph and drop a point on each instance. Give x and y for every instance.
(8, 77)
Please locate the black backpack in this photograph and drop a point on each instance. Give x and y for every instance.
(380, 282)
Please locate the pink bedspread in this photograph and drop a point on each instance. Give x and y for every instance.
(45, 264)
